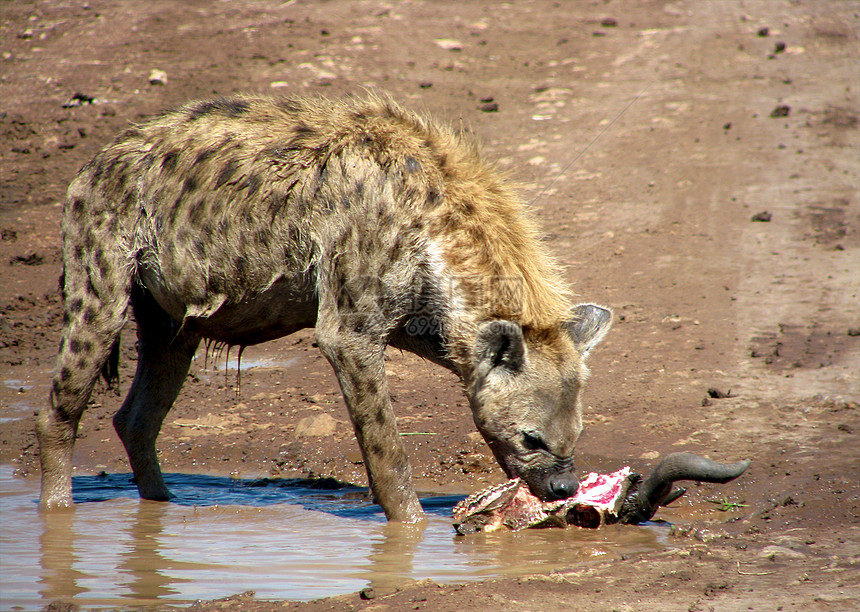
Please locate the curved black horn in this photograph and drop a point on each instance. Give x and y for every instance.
(687, 466)
(656, 490)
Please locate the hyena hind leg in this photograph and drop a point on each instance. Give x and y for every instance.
(165, 351)
(90, 336)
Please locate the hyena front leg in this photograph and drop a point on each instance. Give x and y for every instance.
(95, 306)
(358, 362)
(165, 352)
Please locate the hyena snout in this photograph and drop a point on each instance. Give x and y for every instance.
(557, 483)
(562, 486)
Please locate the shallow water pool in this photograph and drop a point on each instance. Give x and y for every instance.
(283, 539)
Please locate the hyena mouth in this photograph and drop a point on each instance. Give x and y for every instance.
(512, 505)
(555, 483)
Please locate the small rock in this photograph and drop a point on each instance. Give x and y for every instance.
(609, 22)
(474, 436)
(717, 394)
(79, 99)
(32, 259)
(673, 11)
(316, 426)
(764, 31)
(491, 107)
(367, 593)
(772, 552)
(713, 588)
(425, 84)
(476, 462)
(854, 331)
(157, 77)
(449, 44)
(780, 111)
(763, 217)
(779, 47)
(354, 456)
(325, 78)
(707, 536)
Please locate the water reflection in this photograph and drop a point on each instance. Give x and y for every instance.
(392, 555)
(59, 578)
(148, 570)
(283, 539)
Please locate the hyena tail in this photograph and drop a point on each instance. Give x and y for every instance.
(110, 369)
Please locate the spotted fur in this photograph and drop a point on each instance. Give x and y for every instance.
(247, 218)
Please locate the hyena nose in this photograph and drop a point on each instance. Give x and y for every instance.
(562, 486)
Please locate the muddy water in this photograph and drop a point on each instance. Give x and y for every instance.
(282, 539)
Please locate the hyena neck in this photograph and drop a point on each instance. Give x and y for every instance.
(432, 327)
(448, 310)
(484, 257)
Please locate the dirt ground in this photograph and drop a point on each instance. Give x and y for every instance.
(649, 136)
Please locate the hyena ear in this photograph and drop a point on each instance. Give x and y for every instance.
(500, 343)
(588, 325)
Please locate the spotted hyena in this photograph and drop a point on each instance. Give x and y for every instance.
(248, 218)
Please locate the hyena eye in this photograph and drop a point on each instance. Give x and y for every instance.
(534, 442)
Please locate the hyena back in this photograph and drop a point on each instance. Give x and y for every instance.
(245, 219)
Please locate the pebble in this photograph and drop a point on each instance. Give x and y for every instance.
(157, 77)
(449, 44)
(777, 552)
(316, 426)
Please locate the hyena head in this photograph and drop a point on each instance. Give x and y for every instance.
(525, 396)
